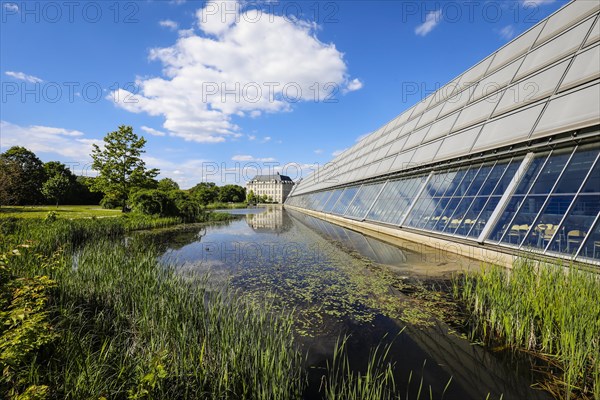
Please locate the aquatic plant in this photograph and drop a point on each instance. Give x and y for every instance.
(545, 309)
(126, 326)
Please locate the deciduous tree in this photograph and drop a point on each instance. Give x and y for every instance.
(120, 165)
(26, 190)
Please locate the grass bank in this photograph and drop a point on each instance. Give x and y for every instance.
(546, 310)
(111, 322)
(218, 206)
(61, 211)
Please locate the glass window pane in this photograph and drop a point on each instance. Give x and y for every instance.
(332, 200)
(478, 181)
(552, 170)
(578, 167)
(443, 217)
(344, 200)
(457, 197)
(577, 224)
(523, 219)
(591, 248)
(506, 217)
(529, 176)
(504, 181)
(593, 183)
(438, 185)
(323, 200)
(402, 202)
(547, 225)
(470, 224)
(363, 200)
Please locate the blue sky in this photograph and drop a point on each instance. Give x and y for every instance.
(224, 88)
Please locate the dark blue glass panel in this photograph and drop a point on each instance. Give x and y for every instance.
(576, 225)
(591, 248)
(547, 225)
(503, 222)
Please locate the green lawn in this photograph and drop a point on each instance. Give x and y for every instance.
(62, 211)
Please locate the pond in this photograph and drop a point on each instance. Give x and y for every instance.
(340, 282)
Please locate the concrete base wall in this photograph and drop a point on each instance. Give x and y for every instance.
(398, 237)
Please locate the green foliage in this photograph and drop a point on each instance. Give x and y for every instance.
(167, 185)
(544, 309)
(81, 193)
(11, 176)
(25, 327)
(54, 168)
(251, 198)
(175, 203)
(109, 203)
(26, 186)
(153, 202)
(56, 188)
(232, 193)
(50, 217)
(127, 326)
(205, 193)
(120, 165)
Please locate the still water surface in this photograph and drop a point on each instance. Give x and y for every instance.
(340, 282)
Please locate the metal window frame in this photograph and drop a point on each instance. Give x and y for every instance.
(570, 208)
(416, 198)
(393, 207)
(343, 212)
(491, 195)
(474, 197)
(336, 200)
(435, 172)
(508, 194)
(547, 200)
(455, 196)
(363, 186)
(375, 200)
(584, 242)
(527, 193)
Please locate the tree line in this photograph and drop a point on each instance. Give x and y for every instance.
(123, 181)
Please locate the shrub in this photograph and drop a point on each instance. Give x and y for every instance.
(153, 202)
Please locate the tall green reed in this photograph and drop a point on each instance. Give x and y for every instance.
(543, 308)
(130, 327)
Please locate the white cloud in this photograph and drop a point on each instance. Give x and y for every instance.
(186, 173)
(167, 23)
(12, 7)
(508, 32)
(248, 158)
(251, 137)
(338, 152)
(354, 84)
(185, 32)
(269, 63)
(537, 2)
(24, 77)
(152, 131)
(319, 151)
(266, 139)
(45, 139)
(432, 19)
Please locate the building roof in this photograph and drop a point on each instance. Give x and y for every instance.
(269, 178)
(541, 83)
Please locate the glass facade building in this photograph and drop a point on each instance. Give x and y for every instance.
(505, 155)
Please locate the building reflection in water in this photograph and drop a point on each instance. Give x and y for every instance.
(378, 251)
(273, 219)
